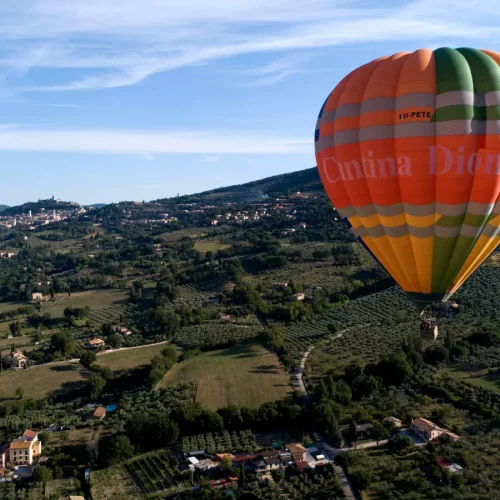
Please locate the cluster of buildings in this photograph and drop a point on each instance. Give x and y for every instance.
(19, 457)
(32, 221)
(293, 455)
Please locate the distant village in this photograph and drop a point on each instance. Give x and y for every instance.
(259, 210)
(31, 221)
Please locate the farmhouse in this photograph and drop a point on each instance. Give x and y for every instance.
(19, 360)
(25, 450)
(99, 413)
(429, 431)
(124, 331)
(393, 420)
(95, 343)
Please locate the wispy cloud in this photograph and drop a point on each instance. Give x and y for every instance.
(149, 143)
(116, 43)
(209, 159)
(277, 70)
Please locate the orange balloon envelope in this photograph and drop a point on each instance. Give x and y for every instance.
(408, 149)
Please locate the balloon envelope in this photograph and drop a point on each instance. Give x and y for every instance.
(408, 149)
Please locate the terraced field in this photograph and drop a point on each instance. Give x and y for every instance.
(381, 311)
(110, 315)
(216, 333)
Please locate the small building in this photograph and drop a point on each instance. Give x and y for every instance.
(224, 317)
(221, 456)
(393, 420)
(449, 466)
(95, 343)
(124, 331)
(36, 296)
(298, 452)
(300, 296)
(99, 413)
(19, 360)
(362, 430)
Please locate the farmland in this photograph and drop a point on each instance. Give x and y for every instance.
(95, 299)
(377, 319)
(216, 333)
(130, 358)
(245, 375)
(41, 381)
(113, 482)
(148, 476)
(486, 378)
(221, 443)
(210, 246)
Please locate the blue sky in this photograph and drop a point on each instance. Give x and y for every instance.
(108, 100)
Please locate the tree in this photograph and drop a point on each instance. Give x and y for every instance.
(20, 393)
(379, 432)
(242, 475)
(51, 292)
(97, 385)
(42, 475)
(16, 328)
(352, 433)
(361, 478)
(278, 475)
(63, 342)
(115, 340)
(227, 464)
(116, 450)
(92, 451)
(88, 358)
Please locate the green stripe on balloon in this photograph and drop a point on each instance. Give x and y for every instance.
(485, 75)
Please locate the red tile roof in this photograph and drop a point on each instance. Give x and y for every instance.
(100, 412)
(442, 462)
(30, 434)
(302, 465)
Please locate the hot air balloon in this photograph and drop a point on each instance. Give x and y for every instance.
(408, 150)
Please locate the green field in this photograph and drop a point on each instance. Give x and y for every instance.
(210, 246)
(128, 359)
(482, 378)
(95, 299)
(41, 381)
(245, 375)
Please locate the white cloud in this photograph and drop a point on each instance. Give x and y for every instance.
(149, 143)
(116, 43)
(277, 70)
